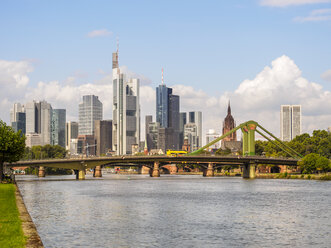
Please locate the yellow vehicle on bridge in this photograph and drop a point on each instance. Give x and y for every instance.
(174, 153)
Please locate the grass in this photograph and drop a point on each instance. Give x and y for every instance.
(11, 233)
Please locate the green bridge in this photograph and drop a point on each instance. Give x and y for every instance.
(208, 163)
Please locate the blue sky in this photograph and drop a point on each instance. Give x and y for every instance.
(212, 46)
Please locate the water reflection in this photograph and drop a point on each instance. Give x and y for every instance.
(178, 211)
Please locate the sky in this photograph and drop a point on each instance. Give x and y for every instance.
(258, 54)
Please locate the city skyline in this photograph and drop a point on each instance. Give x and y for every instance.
(295, 71)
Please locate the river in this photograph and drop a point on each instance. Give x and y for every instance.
(178, 211)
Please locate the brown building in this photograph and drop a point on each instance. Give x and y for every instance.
(86, 145)
(228, 125)
(103, 136)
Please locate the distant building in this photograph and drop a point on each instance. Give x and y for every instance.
(166, 139)
(33, 139)
(103, 136)
(228, 125)
(126, 111)
(182, 122)
(148, 119)
(58, 125)
(211, 136)
(329, 129)
(86, 145)
(38, 120)
(290, 122)
(73, 148)
(152, 135)
(90, 110)
(17, 108)
(196, 117)
(20, 122)
(167, 114)
(71, 133)
(191, 134)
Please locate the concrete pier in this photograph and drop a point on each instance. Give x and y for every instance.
(97, 171)
(144, 170)
(156, 169)
(41, 172)
(210, 170)
(249, 170)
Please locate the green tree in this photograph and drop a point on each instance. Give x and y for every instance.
(323, 164)
(308, 163)
(12, 146)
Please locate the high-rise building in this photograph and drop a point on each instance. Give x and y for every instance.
(167, 114)
(71, 133)
(38, 120)
(103, 136)
(20, 122)
(166, 139)
(152, 135)
(196, 117)
(228, 125)
(148, 119)
(90, 110)
(58, 125)
(191, 134)
(182, 122)
(17, 108)
(126, 111)
(290, 122)
(86, 145)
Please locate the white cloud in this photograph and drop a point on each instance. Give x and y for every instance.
(284, 3)
(254, 99)
(99, 33)
(327, 75)
(315, 16)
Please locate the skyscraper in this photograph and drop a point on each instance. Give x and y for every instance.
(71, 133)
(191, 134)
(58, 125)
(126, 111)
(90, 110)
(38, 120)
(103, 136)
(20, 122)
(290, 122)
(196, 117)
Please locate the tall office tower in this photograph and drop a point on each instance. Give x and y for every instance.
(90, 110)
(229, 124)
(166, 139)
(182, 122)
(191, 134)
(196, 117)
(58, 126)
(290, 122)
(19, 123)
(126, 111)
(17, 108)
(152, 135)
(86, 144)
(38, 120)
(210, 136)
(103, 136)
(71, 133)
(167, 114)
(148, 119)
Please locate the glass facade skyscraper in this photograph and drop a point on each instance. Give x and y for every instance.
(90, 110)
(58, 125)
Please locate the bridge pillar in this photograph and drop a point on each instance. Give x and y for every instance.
(97, 171)
(249, 171)
(41, 172)
(81, 174)
(209, 171)
(156, 169)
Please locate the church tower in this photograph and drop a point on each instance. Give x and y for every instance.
(228, 125)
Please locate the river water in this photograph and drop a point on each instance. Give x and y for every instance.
(178, 211)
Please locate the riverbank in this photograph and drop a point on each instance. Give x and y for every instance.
(16, 226)
(11, 232)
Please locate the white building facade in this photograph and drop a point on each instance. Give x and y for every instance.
(126, 111)
(90, 110)
(290, 122)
